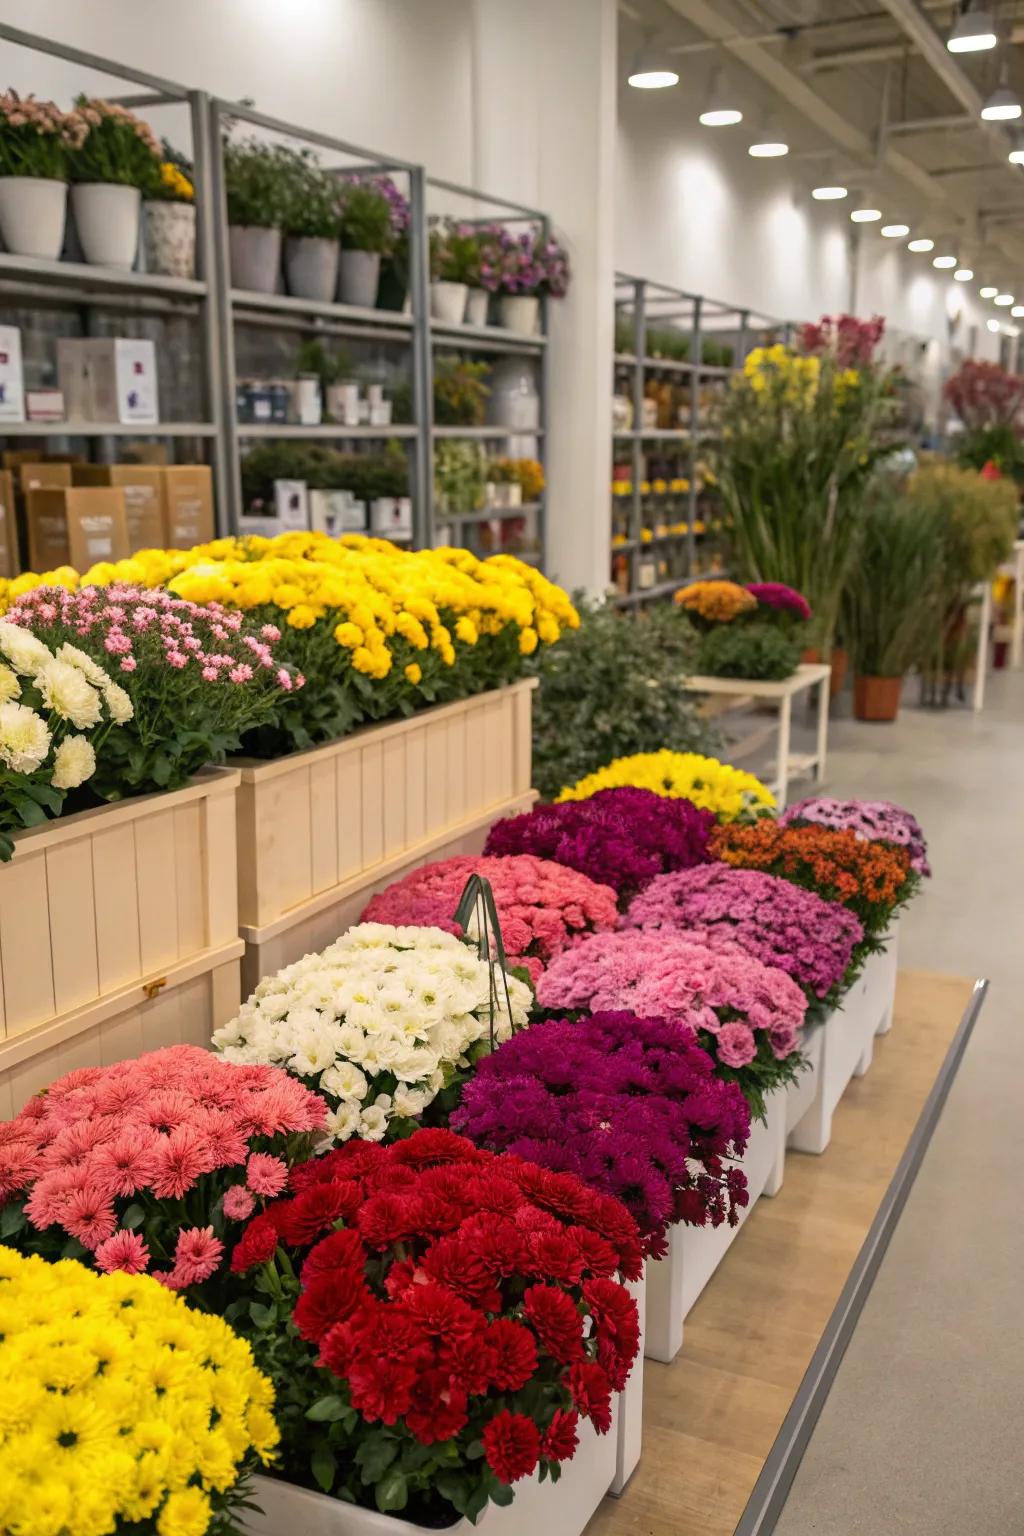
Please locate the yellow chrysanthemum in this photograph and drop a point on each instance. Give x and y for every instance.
(713, 786)
(413, 673)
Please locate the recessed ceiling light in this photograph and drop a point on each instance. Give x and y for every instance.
(944, 261)
(1003, 299)
(865, 215)
(921, 245)
(963, 275)
(1016, 155)
(895, 231)
(993, 325)
(972, 32)
(989, 292)
(1017, 311)
(829, 194)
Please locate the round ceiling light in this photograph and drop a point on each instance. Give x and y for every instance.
(895, 231)
(944, 261)
(921, 245)
(1003, 299)
(830, 193)
(972, 32)
(988, 292)
(768, 149)
(1017, 311)
(963, 275)
(1004, 103)
(866, 215)
(650, 71)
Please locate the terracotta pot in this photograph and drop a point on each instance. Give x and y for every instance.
(840, 660)
(876, 698)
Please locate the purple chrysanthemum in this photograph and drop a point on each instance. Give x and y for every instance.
(775, 594)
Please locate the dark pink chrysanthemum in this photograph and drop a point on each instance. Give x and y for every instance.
(125, 1251)
(197, 1255)
(88, 1214)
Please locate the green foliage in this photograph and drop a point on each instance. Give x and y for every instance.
(255, 181)
(894, 591)
(611, 688)
(365, 218)
(460, 475)
(761, 651)
(118, 147)
(367, 475)
(460, 391)
(329, 367)
(998, 444)
(716, 354)
(669, 342)
(310, 197)
(455, 253)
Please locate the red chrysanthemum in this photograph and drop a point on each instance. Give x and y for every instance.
(561, 1439)
(258, 1244)
(516, 1353)
(554, 1318)
(311, 1213)
(511, 1445)
(328, 1298)
(438, 1408)
(591, 1392)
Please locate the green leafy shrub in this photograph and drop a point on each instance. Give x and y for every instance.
(310, 197)
(365, 218)
(460, 391)
(255, 183)
(758, 651)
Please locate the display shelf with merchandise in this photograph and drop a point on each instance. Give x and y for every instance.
(667, 403)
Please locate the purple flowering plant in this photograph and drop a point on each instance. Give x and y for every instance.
(873, 821)
(747, 1015)
(785, 601)
(771, 919)
(618, 837)
(524, 263)
(632, 1106)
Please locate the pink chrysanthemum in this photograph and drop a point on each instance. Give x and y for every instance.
(197, 1256)
(266, 1175)
(88, 1215)
(125, 1251)
(179, 1160)
(238, 1203)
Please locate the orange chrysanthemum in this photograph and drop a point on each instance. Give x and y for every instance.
(717, 602)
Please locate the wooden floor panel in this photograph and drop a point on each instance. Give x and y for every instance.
(710, 1417)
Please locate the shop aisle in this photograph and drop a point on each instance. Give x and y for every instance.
(920, 1433)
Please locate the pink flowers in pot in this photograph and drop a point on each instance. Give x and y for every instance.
(542, 906)
(142, 1163)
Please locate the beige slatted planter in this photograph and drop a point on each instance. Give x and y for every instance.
(118, 934)
(320, 831)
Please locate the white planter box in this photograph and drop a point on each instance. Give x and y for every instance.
(630, 1410)
(801, 1094)
(882, 981)
(320, 831)
(675, 1282)
(538, 1509)
(846, 1049)
(118, 934)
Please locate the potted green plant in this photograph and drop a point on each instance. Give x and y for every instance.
(455, 274)
(312, 223)
(35, 140)
(169, 217)
(334, 371)
(254, 182)
(460, 476)
(503, 484)
(460, 391)
(366, 234)
(113, 162)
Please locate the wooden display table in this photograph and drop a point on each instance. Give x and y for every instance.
(808, 675)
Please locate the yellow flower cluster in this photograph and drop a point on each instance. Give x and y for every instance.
(176, 182)
(716, 601)
(118, 1404)
(366, 589)
(779, 364)
(711, 785)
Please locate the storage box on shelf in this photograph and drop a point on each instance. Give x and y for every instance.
(694, 1253)
(118, 934)
(320, 831)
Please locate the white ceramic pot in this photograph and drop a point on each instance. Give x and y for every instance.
(359, 278)
(32, 214)
(694, 1253)
(477, 300)
(255, 257)
(308, 398)
(311, 267)
(169, 238)
(448, 302)
(343, 404)
(107, 221)
(520, 312)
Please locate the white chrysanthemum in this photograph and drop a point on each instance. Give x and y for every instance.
(120, 705)
(10, 688)
(74, 657)
(73, 762)
(344, 1081)
(373, 1122)
(410, 1102)
(25, 653)
(69, 694)
(24, 737)
(341, 1123)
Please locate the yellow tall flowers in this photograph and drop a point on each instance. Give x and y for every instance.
(713, 786)
(118, 1404)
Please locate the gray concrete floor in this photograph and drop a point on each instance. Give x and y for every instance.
(921, 1432)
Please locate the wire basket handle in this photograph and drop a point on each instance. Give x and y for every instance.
(477, 906)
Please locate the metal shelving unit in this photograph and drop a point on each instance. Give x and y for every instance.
(696, 321)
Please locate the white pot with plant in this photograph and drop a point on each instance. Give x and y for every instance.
(255, 176)
(366, 234)
(35, 140)
(116, 158)
(454, 261)
(503, 484)
(169, 222)
(529, 266)
(311, 225)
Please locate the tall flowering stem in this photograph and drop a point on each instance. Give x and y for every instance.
(629, 1105)
(455, 1313)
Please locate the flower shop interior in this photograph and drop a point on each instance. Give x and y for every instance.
(511, 663)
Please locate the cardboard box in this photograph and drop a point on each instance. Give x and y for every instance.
(108, 379)
(143, 487)
(12, 383)
(188, 505)
(97, 525)
(9, 563)
(34, 476)
(47, 516)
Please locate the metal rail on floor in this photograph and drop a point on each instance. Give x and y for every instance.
(769, 1493)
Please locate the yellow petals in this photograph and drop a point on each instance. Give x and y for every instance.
(711, 785)
(413, 673)
(302, 616)
(528, 641)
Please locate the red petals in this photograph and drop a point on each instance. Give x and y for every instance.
(511, 1445)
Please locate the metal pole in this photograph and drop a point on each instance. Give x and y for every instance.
(206, 263)
(422, 362)
(639, 353)
(697, 353)
(545, 413)
(228, 512)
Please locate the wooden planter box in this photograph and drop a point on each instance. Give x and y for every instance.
(320, 831)
(118, 934)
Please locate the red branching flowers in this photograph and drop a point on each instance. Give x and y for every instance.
(448, 1293)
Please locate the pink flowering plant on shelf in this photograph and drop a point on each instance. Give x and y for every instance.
(153, 1165)
(774, 921)
(618, 837)
(198, 677)
(872, 821)
(747, 1016)
(631, 1106)
(542, 906)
